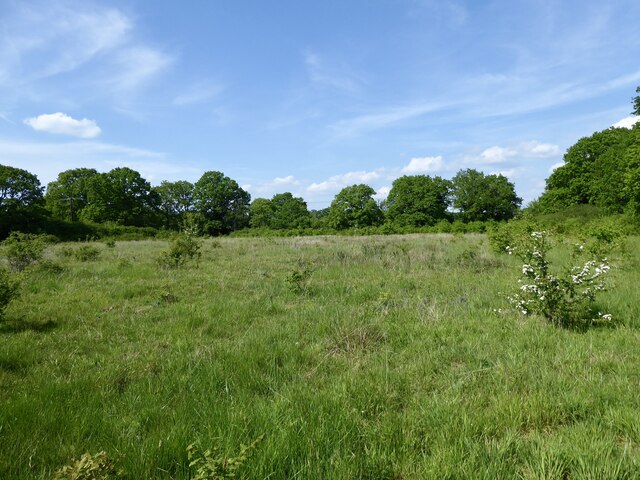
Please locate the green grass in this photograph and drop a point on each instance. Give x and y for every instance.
(392, 362)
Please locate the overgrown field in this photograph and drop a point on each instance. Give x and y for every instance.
(369, 357)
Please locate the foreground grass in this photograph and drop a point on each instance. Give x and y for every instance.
(392, 361)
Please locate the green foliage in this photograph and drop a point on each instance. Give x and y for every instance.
(8, 290)
(418, 200)
(213, 465)
(175, 200)
(636, 103)
(89, 466)
(298, 280)
(480, 197)
(121, 196)
(505, 234)
(86, 253)
(564, 296)
(69, 193)
(23, 249)
(223, 204)
(354, 207)
(183, 248)
(20, 201)
(282, 212)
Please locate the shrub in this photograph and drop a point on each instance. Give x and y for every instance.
(182, 248)
(86, 253)
(8, 290)
(298, 280)
(89, 467)
(23, 249)
(563, 297)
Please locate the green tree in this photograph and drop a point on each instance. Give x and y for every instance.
(222, 202)
(289, 212)
(354, 206)
(261, 213)
(122, 196)
(418, 200)
(636, 103)
(69, 194)
(21, 200)
(480, 197)
(175, 199)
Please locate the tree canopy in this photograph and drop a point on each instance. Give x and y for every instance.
(223, 204)
(418, 200)
(480, 197)
(69, 194)
(355, 206)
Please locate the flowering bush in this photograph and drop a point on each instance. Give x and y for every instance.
(561, 297)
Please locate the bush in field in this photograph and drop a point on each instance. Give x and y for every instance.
(503, 235)
(86, 253)
(8, 290)
(298, 280)
(89, 467)
(563, 297)
(182, 249)
(23, 249)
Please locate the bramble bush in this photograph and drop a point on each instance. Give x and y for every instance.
(182, 248)
(563, 296)
(23, 249)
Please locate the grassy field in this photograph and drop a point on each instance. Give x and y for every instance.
(374, 358)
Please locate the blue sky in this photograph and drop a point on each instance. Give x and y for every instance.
(312, 96)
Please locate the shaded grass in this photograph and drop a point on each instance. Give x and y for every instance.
(394, 364)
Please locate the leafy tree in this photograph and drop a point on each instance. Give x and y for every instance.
(174, 200)
(418, 200)
(480, 197)
(222, 202)
(261, 213)
(354, 206)
(120, 196)
(69, 194)
(636, 103)
(20, 200)
(289, 212)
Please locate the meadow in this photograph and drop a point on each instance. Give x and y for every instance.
(381, 357)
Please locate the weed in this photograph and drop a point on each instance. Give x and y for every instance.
(89, 467)
(109, 242)
(8, 290)
(213, 465)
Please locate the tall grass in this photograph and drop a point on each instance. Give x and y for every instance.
(400, 360)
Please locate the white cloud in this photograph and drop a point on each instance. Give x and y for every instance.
(382, 193)
(627, 122)
(346, 179)
(63, 124)
(497, 154)
(555, 166)
(537, 149)
(288, 180)
(424, 165)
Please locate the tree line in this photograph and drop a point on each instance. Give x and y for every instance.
(217, 205)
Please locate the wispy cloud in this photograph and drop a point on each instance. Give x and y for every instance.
(49, 159)
(61, 123)
(334, 76)
(343, 180)
(198, 93)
